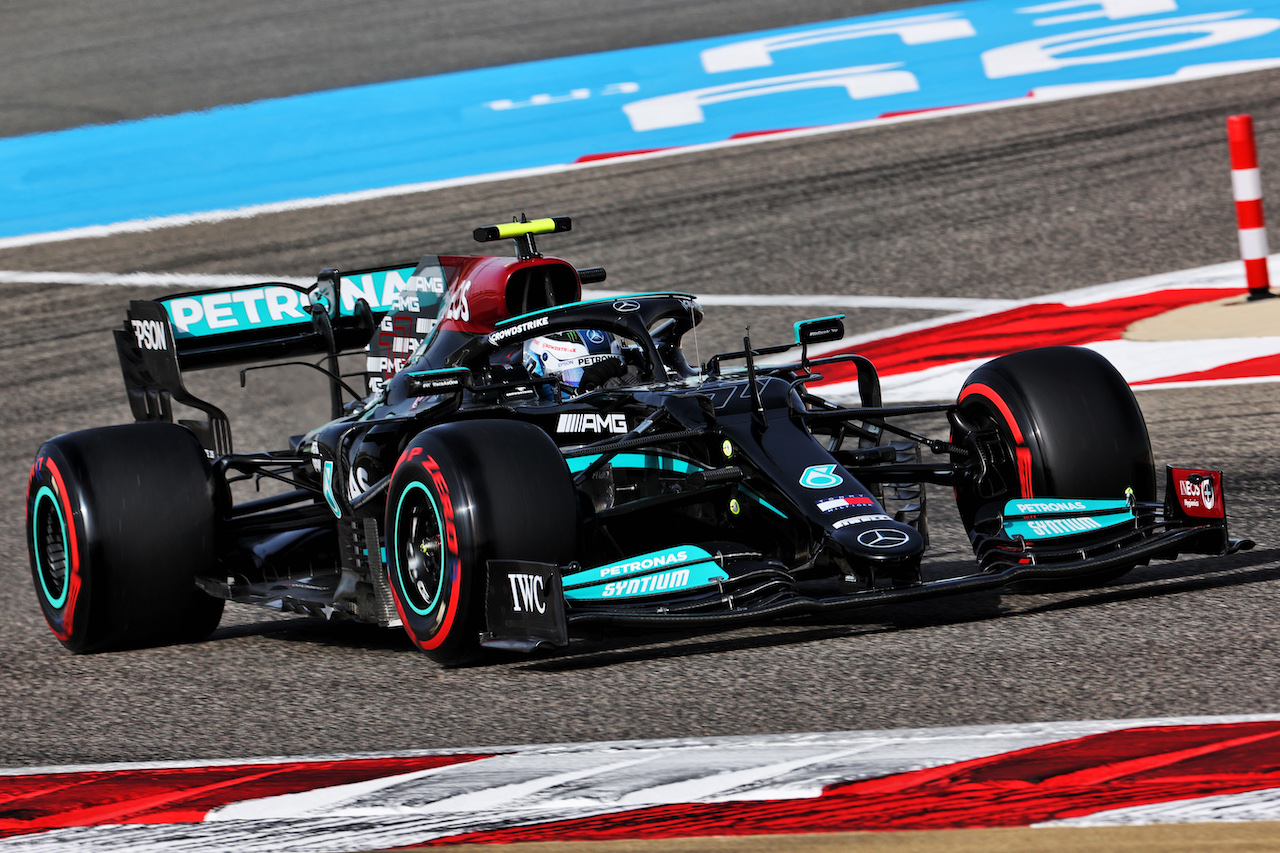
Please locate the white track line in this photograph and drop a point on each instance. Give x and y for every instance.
(795, 300)
(142, 279)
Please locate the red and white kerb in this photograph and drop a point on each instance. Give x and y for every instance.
(1246, 184)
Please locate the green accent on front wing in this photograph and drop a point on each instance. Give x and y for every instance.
(661, 463)
(1021, 507)
(671, 570)
(1051, 518)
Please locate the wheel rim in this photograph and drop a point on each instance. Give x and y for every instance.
(979, 413)
(1007, 467)
(419, 557)
(49, 533)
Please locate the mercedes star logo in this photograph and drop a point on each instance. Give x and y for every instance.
(883, 537)
(626, 306)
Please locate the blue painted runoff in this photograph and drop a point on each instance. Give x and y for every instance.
(560, 110)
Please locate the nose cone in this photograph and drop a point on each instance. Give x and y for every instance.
(881, 541)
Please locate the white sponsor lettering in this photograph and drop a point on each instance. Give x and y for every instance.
(149, 334)
(185, 311)
(527, 590)
(250, 299)
(588, 360)
(844, 502)
(428, 283)
(361, 288)
(219, 313)
(357, 482)
(660, 582)
(406, 301)
(458, 308)
(283, 302)
(433, 383)
(860, 519)
(653, 562)
(1059, 526)
(1196, 494)
(518, 329)
(392, 284)
(615, 422)
(383, 365)
(1051, 506)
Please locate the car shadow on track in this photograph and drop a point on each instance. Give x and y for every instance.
(314, 630)
(600, 648)
(1163, 579)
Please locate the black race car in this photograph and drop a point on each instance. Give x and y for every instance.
(523, 461)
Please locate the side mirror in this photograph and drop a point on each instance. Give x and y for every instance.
(820, 330)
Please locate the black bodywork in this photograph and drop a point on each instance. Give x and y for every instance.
(739, 456)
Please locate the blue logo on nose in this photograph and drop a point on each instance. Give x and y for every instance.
(820, 477)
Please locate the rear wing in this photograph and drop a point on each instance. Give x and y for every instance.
(341, 312)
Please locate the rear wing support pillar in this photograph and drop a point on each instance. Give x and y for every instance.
(324, 305)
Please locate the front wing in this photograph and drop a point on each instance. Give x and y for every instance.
(527, 608)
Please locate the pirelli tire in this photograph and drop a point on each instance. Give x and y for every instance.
(1069, 425)
(461, 494)
(120, 521)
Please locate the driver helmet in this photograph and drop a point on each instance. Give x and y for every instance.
(567, 354)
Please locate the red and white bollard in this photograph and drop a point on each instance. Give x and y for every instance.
(1246, 184)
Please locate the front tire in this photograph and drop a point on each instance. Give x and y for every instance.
(120, 521)
(1069, 427)
(464, 493)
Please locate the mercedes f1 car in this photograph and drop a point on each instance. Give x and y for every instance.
(522, 461)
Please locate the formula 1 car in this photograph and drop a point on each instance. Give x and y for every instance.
(523, 461)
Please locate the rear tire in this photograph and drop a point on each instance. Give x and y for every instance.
(120, 521)
(1070, 427)
(464, 493)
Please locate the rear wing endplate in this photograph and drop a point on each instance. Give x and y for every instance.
(342, 312)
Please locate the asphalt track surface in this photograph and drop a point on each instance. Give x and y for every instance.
(1007, 203)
